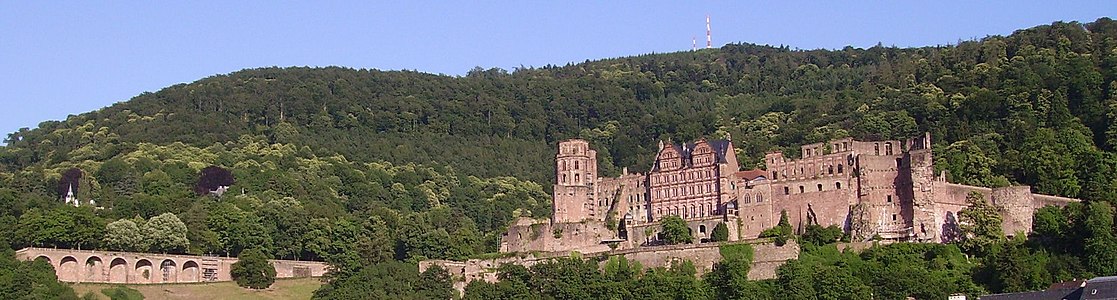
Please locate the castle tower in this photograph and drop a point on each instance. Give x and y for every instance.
(575, 179)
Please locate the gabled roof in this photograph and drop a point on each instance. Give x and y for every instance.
(720, 148)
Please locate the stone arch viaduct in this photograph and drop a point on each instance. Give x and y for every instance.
(145, 268)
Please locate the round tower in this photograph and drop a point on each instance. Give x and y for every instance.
(575, 176)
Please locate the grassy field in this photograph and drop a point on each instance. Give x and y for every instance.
(300, 288)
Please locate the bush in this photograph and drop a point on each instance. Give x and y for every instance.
(675, 230)
(253, 270)
(121, 292)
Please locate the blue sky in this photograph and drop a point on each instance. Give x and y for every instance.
(67, 57)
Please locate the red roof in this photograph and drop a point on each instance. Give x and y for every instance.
(751, 174)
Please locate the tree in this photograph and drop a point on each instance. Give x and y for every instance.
(1101, 245)
(720, 234)
(166, 233)
(674, 230)
(980, 224)
(71, 179)
(124, 235)
(435, 283)
(213, 178)
(782, 232)
(253, 270)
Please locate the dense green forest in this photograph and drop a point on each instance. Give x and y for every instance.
(371, 170)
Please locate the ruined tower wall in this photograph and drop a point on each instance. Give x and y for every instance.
(1016, 204)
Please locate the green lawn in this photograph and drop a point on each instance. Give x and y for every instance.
(301, 288)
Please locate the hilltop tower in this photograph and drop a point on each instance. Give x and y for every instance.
(575, 179)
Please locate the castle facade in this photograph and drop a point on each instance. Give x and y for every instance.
(871, 189)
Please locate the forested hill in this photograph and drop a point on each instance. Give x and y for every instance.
(1037, 107)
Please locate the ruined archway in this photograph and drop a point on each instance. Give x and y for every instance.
(118, 271)
(189, 272)
(168, 271)
(68, 269)
(143, 272)
(94, 270)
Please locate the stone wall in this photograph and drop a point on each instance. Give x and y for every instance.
(144, 268)
(528, 235)
(766, 259)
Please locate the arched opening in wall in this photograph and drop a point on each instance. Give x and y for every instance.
(169, 270)
(563, 178)
(759, 198)
(577, 179)
(888, 148)
(801, 190)
(118, 271)
(68, 269)
(819, 187)
(576, 165)
(693, 212)
(94, 270)
(831, 170)
(46, 259)
(786, 191)
(684, 215)
(143, 272)
(837, 185)
(563, 166)
(839, 168)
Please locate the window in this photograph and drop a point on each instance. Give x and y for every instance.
(838, 185)
(786, 191)
(819, 187)
(563, 178)
(563, 166)
(888, 148)
(801, 189)
(893, 217)
(831, 170)
(576, 178)
(759, 198)
(889, 198)
(839, 168)
(775, 175)
(575, 165)
(876, 148)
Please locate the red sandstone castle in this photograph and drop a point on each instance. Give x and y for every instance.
(877, 189)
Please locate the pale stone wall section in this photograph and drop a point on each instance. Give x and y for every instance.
(146, 268)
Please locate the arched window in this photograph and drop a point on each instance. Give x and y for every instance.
(577, 179)
(888, 148)
(876, 148)
(563, 178)
(563, 166)
(838, 185)
(819, 187)
(759, 198)
(786, 191)
(839, 168)
(693, 212)
(801, 190)
(831, 170)
(575, 165)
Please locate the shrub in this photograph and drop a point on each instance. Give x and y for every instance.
(253, 270)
